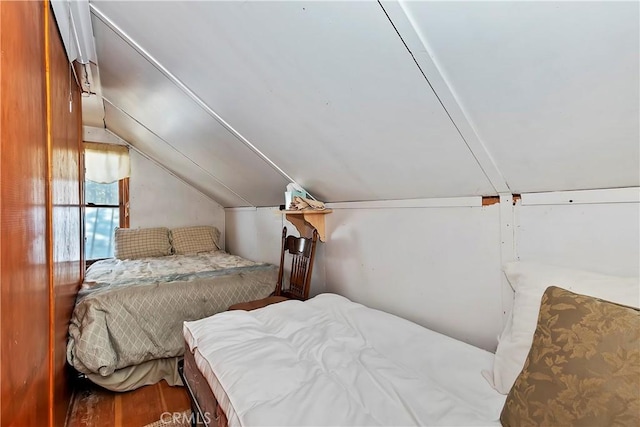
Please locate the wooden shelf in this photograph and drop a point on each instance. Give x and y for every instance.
(303, 220)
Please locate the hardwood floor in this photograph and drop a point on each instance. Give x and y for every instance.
(94, 406)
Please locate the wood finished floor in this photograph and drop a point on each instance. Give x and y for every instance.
(94, 406)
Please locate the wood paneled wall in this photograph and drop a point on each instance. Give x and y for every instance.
(40, 217)
(24, 285)
(64, 118)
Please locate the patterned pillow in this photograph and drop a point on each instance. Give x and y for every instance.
(142, 242)
(583, 367)
(529, 281)
(193, 240)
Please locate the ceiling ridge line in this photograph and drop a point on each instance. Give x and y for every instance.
(177, 151)
(397, 15)
(153, 61)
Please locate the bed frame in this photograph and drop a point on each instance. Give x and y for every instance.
(204, 407)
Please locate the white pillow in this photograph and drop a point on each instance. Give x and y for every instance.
(529, 281)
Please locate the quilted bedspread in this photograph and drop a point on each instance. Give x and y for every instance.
(131, 311)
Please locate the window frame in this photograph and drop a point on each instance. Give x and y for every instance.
(123, 206)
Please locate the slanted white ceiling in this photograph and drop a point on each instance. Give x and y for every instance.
(551, 87)
(360, 100)
(182, 166)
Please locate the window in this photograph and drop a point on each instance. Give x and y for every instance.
(106, 197)
(106, 208)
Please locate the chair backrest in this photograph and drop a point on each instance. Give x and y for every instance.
(301, 250)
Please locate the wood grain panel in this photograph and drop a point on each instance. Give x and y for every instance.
(24, 287)
(40, 216)
(64, 118)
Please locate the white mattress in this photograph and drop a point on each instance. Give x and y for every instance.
(329, 361)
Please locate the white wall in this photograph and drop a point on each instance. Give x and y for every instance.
(600, 237)
(256, 234)
(439, 263)
(436, 266)
(157, 198)
(399, 260)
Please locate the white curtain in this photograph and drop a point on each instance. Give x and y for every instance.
(106, 163)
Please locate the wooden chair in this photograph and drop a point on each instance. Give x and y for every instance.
(301, 251)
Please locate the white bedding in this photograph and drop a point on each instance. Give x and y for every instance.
(329, 361)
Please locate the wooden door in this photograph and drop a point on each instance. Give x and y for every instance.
(24, 282)
(40, 217)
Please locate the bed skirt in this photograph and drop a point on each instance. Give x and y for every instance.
(146, 373)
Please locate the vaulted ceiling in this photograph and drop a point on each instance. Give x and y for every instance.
(366, 100)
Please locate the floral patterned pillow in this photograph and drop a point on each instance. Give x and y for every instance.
(583, 368)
